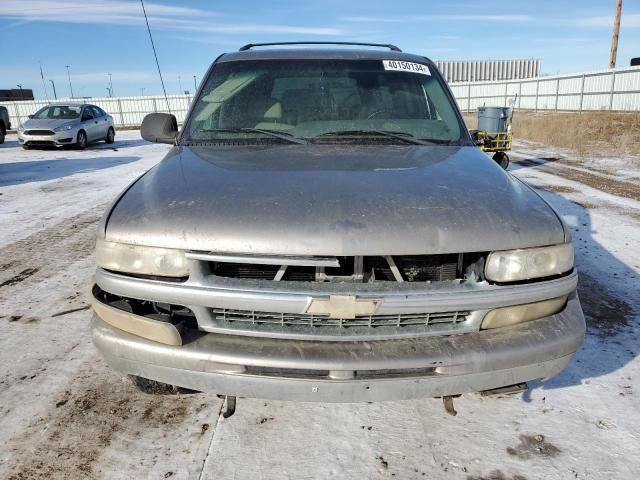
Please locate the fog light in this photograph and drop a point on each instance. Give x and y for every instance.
(505, 316)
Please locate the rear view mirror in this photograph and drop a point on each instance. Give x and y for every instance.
(159, 128)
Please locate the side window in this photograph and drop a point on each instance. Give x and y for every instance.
(87, 114)
(98, 112)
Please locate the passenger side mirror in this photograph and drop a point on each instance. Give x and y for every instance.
(29, 116)
(159, 128)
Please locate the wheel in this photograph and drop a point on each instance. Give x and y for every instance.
(81, 142)
(26, 147)
(153, 387)
(501, 159)
(111, 136)
(2, 134)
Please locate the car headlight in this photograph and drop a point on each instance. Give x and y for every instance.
(138, 259)
(63, 128)
(21, 128)
(528, 263)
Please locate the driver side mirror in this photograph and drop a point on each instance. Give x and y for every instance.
(159, 128)
(29, 116)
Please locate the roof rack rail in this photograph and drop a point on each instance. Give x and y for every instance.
(248, 46)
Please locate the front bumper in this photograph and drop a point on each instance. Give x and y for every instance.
(357, 371)
(58, 139)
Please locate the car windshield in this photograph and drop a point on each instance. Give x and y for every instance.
(324, 100)
(58, 112)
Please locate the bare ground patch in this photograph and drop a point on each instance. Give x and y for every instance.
(43, 254)
(532, 446)
(605, 313)
(65, 443)
(605, 184)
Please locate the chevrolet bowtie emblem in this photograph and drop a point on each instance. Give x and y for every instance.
(343, 306)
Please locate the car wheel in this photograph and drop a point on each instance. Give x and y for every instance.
(153, 387)
(26, 147)
(81, 142)
(111, 135)
(501, 159)
(1, 137)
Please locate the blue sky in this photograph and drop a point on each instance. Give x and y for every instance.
(100, 37)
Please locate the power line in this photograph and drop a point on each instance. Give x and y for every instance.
(155, 55)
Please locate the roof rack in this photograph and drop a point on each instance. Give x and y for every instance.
(248, 46)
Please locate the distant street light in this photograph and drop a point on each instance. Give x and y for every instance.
(180, 85)
(55, 95)
(69, 77)
(195, 85)
(142, 92)
(110, 86)
(110, 92)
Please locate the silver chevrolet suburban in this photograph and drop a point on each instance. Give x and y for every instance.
(324, 229)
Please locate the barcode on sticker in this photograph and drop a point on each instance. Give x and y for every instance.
(405, 66)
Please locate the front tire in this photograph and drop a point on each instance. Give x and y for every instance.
(111, 136)
(81, 141)
(2, 134)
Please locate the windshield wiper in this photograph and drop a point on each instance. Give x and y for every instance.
(287, 137)
(406, 137)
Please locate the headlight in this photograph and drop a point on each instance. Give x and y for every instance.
(21, 128)
(505, 316)
(122, 257)
(63, 128)
(514, 265)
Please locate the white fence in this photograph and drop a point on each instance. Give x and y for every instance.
(126, 111)
(617, 90)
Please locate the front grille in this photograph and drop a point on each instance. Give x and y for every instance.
(40, 143)
(411, 268)
(39, 132)
(247, 317)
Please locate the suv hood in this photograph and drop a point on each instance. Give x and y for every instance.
(332, 200)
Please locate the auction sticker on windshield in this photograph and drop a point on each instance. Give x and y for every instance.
(406, 67)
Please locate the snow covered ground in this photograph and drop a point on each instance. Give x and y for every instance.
(65, 414)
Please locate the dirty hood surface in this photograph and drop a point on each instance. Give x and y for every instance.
(332, 200)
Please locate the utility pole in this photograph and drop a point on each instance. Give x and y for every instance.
(109, 90)
(55, 95)
(180, 85)
(69, 77)
(110, 86)
(616, 31)
(142, 91)
(195, 85)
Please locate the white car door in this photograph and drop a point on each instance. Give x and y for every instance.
(103, 122)
(89, 124)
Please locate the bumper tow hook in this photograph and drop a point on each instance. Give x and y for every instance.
(448, 405)
(230, 406)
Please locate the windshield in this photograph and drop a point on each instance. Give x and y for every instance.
(58, 112)
(317, 100)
